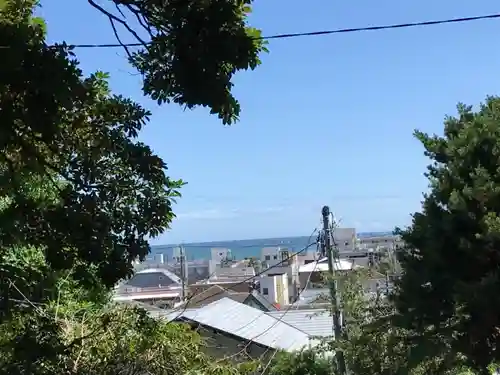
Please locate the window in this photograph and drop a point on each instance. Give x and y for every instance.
(275, 257)
(265, 291)
(267, 257)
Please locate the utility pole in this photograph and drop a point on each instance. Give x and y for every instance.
(182, 260)
(327, 249)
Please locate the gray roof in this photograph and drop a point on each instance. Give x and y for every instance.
(263, 301)
(233, 272)
(247, 323)
(315, 322)
(312, 295)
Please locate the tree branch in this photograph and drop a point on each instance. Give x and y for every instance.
(113, 19)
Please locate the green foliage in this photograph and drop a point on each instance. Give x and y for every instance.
(70, 132)
(449, 288)
(306, 362)
(372, 344)
(80, 195)
(192, 50)
(110, 341)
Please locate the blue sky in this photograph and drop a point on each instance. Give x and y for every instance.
(325, 120)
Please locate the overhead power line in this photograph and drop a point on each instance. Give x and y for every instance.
(185, 306)
(327, 32)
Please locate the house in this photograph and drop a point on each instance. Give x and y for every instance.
(217, 292)
(156, 286)
(281, 261)
(312, 271)
(233, 272)
(239, 331)
(314, 322)
(227, 285)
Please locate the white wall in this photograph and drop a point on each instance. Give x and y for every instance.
(307, 257)
(270, 255)
(345, 238)
(290, 267)
(275, 289)
(390, 242)
(217, 254)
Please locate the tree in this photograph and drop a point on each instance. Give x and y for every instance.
(305, 362)
(75, 133)
(189, 50)
(448, 293)
(80, 196)
(95, 341)
(71, 132)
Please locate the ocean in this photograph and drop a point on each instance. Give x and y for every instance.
(241, 249)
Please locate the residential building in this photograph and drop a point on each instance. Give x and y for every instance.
(154, 286)
(278, 261)
(219, 257)
(234, 273)
(216, 292)
(345, 239)
(313, 298)
(239, 331)
(314, 322)
(274, 287)
(388, 241)
(196, 270)
(232, 286)
(307, 257)
(312, 272)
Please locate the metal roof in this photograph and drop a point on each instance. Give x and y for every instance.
(137, 296)
(248, 323)
(315, 322)
(172, 276)
(322, 266)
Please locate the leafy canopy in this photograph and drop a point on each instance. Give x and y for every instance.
(189, 50)
(72, 132)
(80, 195)
(449, 288)
(110, 191)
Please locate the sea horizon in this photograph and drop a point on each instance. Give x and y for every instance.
(241, 249)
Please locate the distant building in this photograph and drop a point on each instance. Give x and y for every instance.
(274, 287)
(219, 257)
(278, 261)
(345, 239)
(155, 286)
(216, 292)
(312, 272)
(390, 242)
(233, 273)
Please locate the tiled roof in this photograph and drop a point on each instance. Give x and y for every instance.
(215, 293)
(247, 323)
(234, 287)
